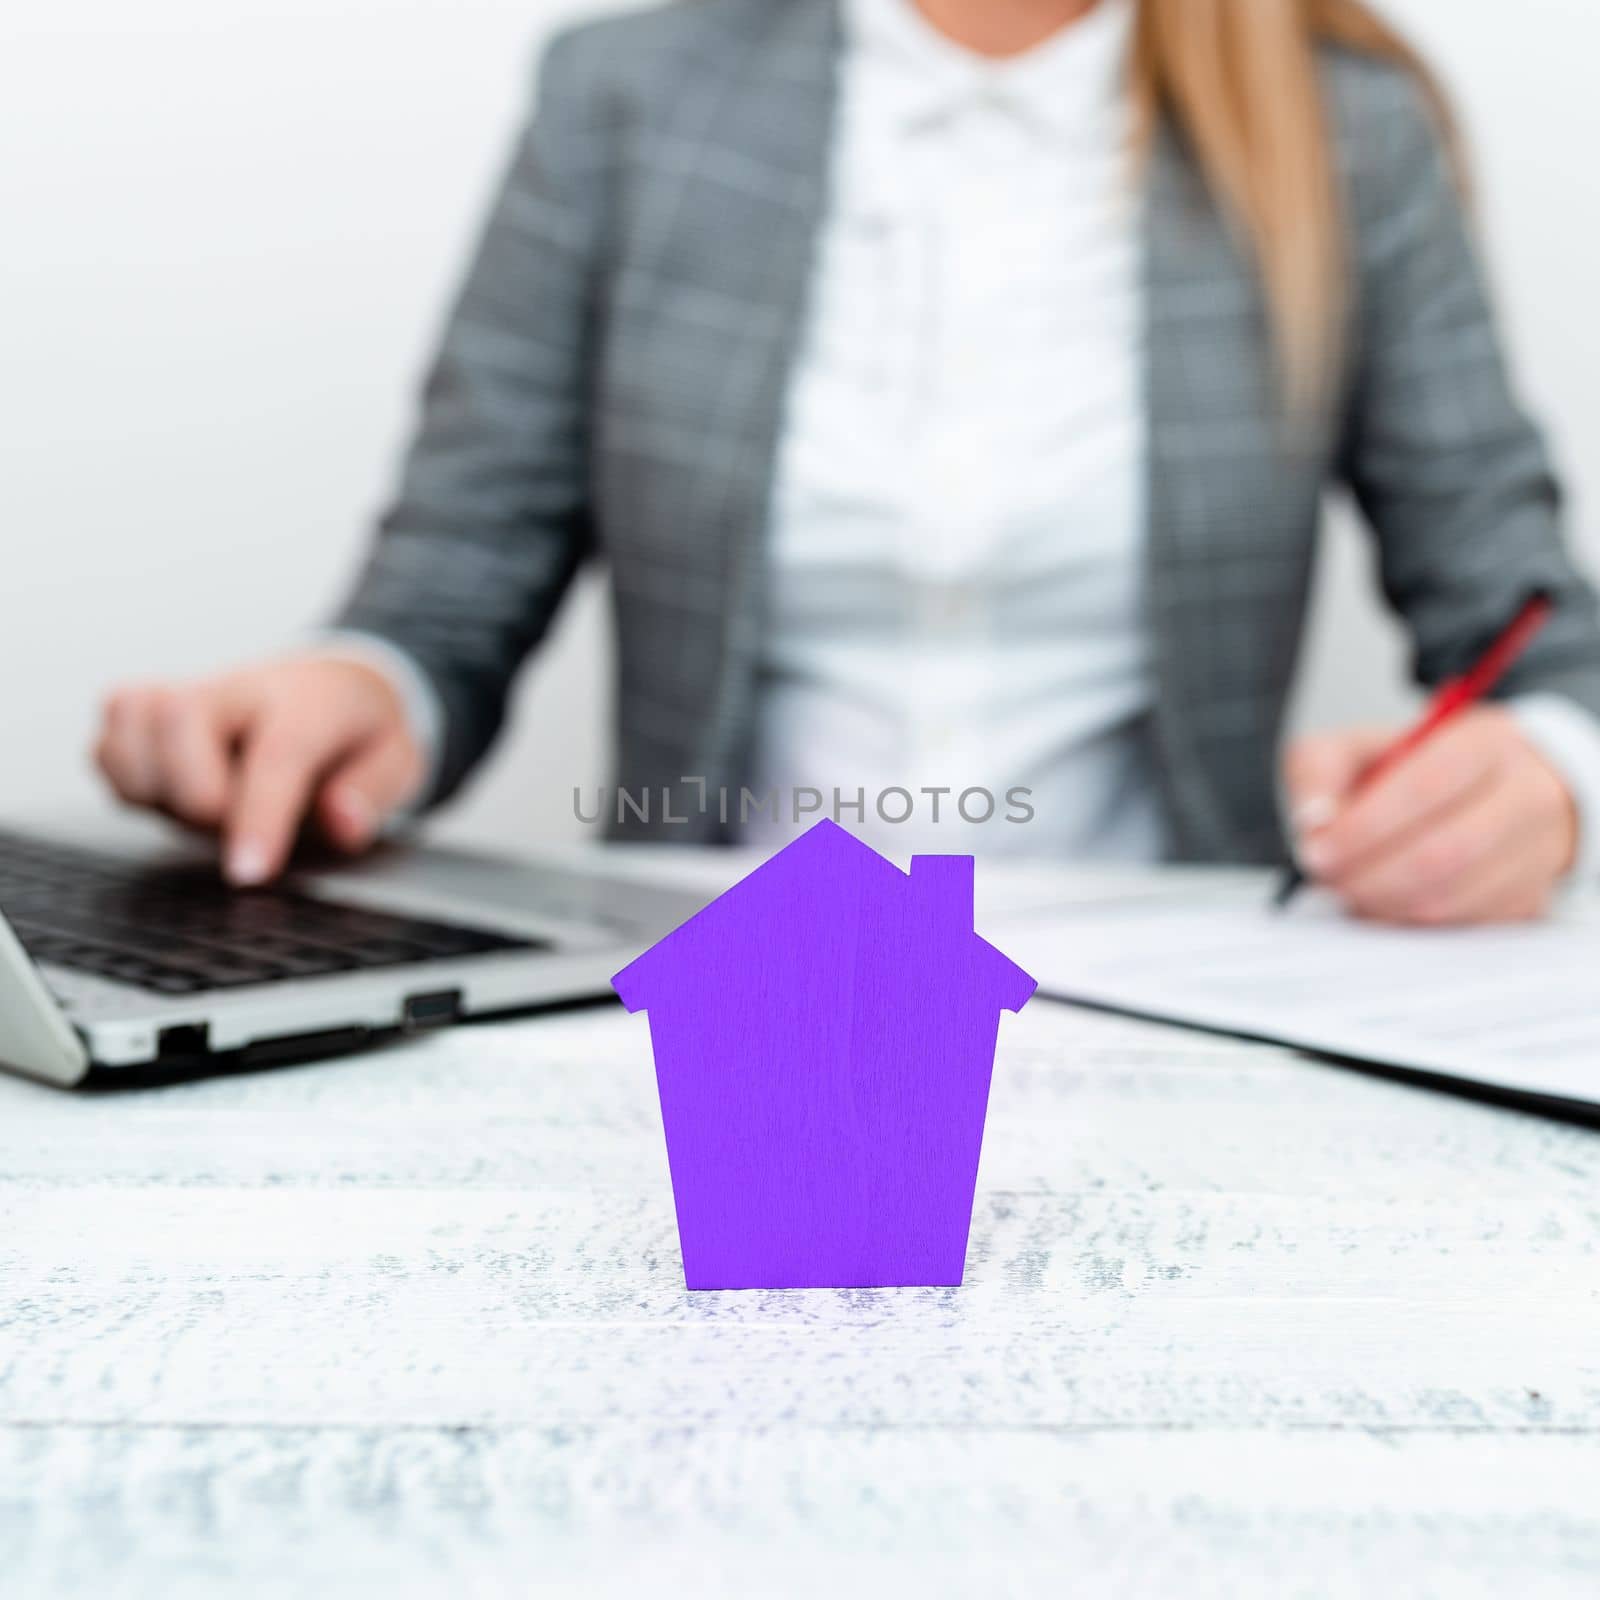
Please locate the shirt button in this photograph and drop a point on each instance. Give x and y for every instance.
(947, 606)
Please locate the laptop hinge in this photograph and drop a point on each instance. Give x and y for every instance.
(36, 1038)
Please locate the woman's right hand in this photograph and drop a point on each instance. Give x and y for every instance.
(254, 754)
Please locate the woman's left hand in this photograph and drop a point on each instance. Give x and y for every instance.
(1475, 826)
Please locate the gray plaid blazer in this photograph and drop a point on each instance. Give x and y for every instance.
(612, 379)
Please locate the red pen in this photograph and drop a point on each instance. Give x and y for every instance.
(1448, 702)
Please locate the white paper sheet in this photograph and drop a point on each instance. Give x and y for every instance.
(1516, 1007)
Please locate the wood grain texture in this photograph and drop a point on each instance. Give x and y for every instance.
(1234, 1322)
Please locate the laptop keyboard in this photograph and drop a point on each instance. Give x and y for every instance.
(181, 930)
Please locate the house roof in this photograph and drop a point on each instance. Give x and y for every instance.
(805, 890)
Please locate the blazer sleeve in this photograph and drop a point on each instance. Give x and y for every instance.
(490, 521)
(1451, 475)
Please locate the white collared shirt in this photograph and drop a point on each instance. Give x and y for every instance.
(957, 534)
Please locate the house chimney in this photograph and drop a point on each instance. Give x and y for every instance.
(945, 883)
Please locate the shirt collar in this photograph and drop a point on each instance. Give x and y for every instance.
(1060, 87)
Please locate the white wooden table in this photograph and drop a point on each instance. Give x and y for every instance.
(412, 1323)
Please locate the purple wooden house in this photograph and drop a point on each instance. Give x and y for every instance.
(824, 1035)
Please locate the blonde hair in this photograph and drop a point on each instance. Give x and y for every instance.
(1239, 79)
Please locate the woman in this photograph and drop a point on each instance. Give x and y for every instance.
(951, 387)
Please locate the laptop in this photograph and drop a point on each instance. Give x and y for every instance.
(130, 962)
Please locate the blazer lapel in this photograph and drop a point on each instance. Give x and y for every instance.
(1169, 400)
(1218, 588)
(777, 114)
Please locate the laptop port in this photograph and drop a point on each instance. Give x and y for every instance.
(183, 1043)
(432, 1010)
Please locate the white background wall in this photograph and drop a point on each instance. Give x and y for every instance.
(228, 230)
